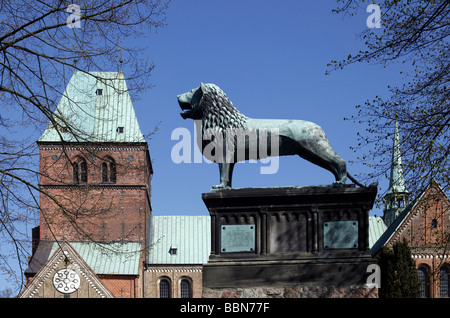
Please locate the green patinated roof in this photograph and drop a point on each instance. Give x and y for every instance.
(397, 179)
(190, 235)
(376, 228)
(109, 258)
(117, 258)
(93, 117)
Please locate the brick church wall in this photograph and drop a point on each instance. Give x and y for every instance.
(428, 223)
(121, 286)
(95, 210)
(426, 230)
(174, 274)
(123, 218)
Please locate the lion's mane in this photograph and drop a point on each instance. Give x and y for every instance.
(217, 111)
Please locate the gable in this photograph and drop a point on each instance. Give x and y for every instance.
(415, 223)
(66, 274)
(429, 221)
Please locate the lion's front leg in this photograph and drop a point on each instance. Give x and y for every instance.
(226, 173)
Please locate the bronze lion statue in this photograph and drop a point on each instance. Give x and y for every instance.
(223, 125)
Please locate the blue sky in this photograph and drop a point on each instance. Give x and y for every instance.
(270, 58)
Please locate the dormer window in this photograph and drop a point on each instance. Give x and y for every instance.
(119, 130)
(99, 92)
(173, 251)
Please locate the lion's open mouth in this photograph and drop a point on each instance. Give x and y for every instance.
(187, 109)
(185, 106)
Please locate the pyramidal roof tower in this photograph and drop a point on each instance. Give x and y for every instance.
(95, 190)
(93, 148)
(397, 195)
(95, 107)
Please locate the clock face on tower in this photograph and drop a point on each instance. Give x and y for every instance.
(66, 281)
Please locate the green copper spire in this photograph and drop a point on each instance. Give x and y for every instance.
(95, 107)
(397, 179)
(397, 195)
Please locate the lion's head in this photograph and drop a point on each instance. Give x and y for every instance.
(210, 104)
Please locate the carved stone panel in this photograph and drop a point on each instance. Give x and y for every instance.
(288, 233)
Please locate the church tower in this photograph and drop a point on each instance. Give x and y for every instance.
(397, 195)
(95, 165)
(94, 183)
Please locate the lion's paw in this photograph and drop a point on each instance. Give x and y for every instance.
(220, 186)
(338, 184)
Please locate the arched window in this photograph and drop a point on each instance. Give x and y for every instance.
(185, 288)
(104, 172)
(112, 171)
(109, 170)
(164, 288)
(443, 282)
(76, 172)
(79, 167)
(422, 273)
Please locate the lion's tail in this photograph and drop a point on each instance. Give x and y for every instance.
(354, 181)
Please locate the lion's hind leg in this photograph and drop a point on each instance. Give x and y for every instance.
(341, 168)
(335, 165)
(322, 154)
(332, 162)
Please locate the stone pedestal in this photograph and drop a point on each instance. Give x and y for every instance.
(288, 237)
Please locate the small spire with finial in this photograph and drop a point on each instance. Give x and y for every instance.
(397, 196)
(120, 59)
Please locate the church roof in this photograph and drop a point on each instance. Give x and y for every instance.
(376, 228)
(179, 239)
(95, 107)
(118, 258)
(390, 231)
